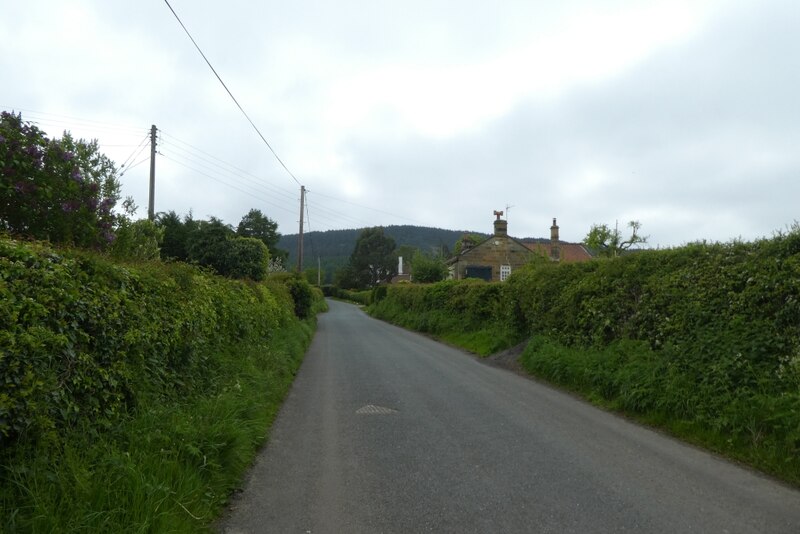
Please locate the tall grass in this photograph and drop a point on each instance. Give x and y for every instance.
(132, 397)
(750, 424)
(168, 468)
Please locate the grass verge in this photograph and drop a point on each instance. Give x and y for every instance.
(746, 424)
(171, 466)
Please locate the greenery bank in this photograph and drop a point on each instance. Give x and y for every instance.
(133, 396)
(703, 340)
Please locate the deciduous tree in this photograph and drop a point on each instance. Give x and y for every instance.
(610, 242)
(372, 261)
(256, 224)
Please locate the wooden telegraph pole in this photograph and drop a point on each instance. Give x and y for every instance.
(151, 213)
(300, 237)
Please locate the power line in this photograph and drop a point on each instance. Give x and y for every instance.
(217, 179)
(133, 166)
(231, 95)
(225, 166)
(140, 148)
(44, 117)
(203, 159)
(369, 208)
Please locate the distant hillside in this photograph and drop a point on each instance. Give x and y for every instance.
(335, 246)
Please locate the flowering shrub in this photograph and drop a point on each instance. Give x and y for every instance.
(61, 190)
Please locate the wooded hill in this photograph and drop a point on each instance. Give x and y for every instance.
(334, 247)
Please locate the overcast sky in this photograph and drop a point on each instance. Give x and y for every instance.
(683, 115)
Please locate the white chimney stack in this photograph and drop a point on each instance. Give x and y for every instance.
(400, 265)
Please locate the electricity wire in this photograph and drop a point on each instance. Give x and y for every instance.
(231, 95)
(372, 209)
(140, 148)
(44, 117)
(223, 182)
(225, 166)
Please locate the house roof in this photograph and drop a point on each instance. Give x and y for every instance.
(568, 252)
(468, 251)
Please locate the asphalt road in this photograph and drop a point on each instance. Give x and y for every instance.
(387, 431)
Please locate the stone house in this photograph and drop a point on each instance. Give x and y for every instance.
(495, 258)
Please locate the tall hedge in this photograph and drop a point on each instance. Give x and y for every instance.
(707, 333)
(83, 341)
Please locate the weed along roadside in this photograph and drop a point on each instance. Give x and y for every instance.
(701, 340)
(134, 396)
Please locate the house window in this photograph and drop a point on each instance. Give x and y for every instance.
(505, 272)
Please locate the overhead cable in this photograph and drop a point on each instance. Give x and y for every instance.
(231, 95)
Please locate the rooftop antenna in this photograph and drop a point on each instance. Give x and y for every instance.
(507, 210)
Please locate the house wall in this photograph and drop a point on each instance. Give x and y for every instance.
(494, 252)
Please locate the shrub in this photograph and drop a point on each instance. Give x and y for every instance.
(245, 257)
(59, 190)
(83, 339)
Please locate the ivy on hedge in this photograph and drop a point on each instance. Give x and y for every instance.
(83, 339)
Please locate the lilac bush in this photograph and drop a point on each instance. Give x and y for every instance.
(61, 190)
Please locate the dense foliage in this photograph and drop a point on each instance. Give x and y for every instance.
(372, 261)
(61, 190)
(256, 224)
(470, 312)
(98, 364)
(427, 268)
(705, 337)
(609, 242)
(214, 244)
(83, 340)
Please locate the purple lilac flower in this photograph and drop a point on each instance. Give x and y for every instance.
(69, 207)
(67, 156)
(76, 175)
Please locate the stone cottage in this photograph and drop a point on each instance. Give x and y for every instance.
(495, 258)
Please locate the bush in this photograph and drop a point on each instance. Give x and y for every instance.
(303, 295)
(137, 240)
(59, 190)
(245, 257)
(83, 339)
(160, 377)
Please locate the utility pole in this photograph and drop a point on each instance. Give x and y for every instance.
(300, 237)
(319, 270)
(151, 213)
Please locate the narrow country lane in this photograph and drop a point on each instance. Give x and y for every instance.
(388, 431)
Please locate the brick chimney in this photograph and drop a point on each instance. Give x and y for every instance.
(555, 250)
(500, 225)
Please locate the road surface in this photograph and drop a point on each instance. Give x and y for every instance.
(385, 430)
